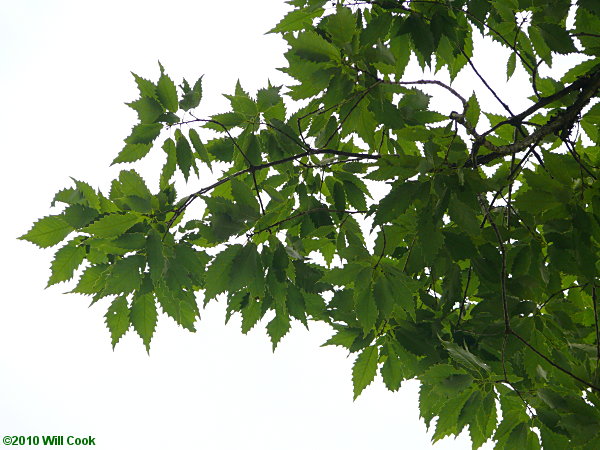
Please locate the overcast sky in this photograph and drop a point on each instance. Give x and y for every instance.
(65, 77)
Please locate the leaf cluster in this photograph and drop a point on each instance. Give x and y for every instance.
(475, 272)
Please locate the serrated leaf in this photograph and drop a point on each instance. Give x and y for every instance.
(167, 93)
(124, 275)
(396, 202)
(69, 196)
(217, 274)
(463, 216)
(171, 163)
(154, 253)
(557, 38)
(117, 319)
(148, 109)
(366, 307)
(79, 216)
(248, 271)
(133, 184)
(200, 148)
(420, 35)
(185, 159)
(269, 97)
(312, 47)
(341, 25)
(48, 231)
(251, 314)
(130, 241)
(147, 88)
(391, 371)
(297, 19)
(465, 357)
(364, 369)
(277, 328)
(344, 338)
(447, 422)
(91, 197)
(473, 110)
(92, 280)
(66, 260)
(144, 133)
(384, 296)
(191, 98)
(112, 224)
(132, 152)
(540, 45)
(180, 305)
(143, 317)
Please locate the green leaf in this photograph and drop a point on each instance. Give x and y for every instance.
(473, 110)
(143, 317)
(167, 93)
(146, 87)
(540, 45)
(91, 197)
(366, 307)
(465, 357)
(144, 133)
(154, 252)
(117, 319)
(395, 202)
(148, 109)
(217, 275)
(125, 275)
(185, 159)
(112, 224)
(251, 314)
(268, 98)
(92, 280)
(364, 369)
(133, 184)
(464, 216)
(66, 260)
(79, 216)
(392, 371)
(180, 305)
(298, 19)
(312, 47)
(341, 25)
(421, 36)
(48, 231)
(248, 271)
(171, 163)
(344, 338)
(557, 38)
(277, 328)
(384, 296)
(552, 440)
(448, 416)
(511, 65)
(132, 152)
(199, 147)
(191, 97)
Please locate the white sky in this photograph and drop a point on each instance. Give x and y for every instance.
(64, 77)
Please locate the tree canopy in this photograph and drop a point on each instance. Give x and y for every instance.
(455, 246)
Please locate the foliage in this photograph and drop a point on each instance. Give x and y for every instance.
(475, 271)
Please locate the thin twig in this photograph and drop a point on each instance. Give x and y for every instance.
(382, 250)
(303, 213)
(461, 311)
(553, 364)
(595, 302)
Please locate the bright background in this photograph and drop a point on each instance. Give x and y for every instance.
(64, 78)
